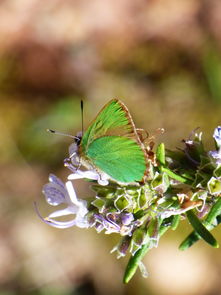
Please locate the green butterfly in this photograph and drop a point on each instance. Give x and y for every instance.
(111, 145)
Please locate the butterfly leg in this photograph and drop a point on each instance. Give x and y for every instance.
(103, 179)
(74, 156)
(93, 175)
(142, 133)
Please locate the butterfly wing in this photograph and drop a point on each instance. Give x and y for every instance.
(113, 119)
(120, 157)
(111, 143)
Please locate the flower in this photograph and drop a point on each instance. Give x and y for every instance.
(56, 193)
(122, 247)
(114, 222)
(216, 155)
(101, 178)
(217, 136)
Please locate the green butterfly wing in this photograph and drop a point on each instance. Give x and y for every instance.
(113, 119)
(111, 144)
(120, 157)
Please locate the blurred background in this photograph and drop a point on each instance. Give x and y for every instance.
(162, 58)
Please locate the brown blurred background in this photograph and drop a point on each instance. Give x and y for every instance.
(162, 58)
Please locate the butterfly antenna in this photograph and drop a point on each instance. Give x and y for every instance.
(82, 116)
(60, 133)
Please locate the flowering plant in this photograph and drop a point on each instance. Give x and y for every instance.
(181, 184)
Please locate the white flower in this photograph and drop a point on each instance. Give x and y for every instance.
(56, 193)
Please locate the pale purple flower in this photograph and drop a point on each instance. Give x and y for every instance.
(112, 222)
(56, 193)
(122, 247)
(216, 155)
(217, 136)
(127, 218)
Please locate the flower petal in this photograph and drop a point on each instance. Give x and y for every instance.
(127, 218)
(217, 135)
(53, 178)
(63, 212)
(54, 223)
(59, 224)
(54, 193)
(71, 193)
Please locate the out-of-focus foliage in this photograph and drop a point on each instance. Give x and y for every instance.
(163, 59)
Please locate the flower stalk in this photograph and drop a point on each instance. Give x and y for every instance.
(184, 184)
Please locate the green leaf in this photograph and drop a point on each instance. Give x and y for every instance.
(176, 176)
(137, 257)
(175, 222)
(193, 237)
(134, 263)
(214, 212)
(160, 154)
(201, 229)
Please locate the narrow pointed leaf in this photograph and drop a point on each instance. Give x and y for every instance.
(138, 256)
(134, 263)
(214, 212)
(201, 229)
(160, 154)
(176, 176)
(175, 222)
(193, 237)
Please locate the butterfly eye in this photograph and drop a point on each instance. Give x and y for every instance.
(78, 138)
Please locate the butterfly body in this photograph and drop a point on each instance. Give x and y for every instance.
(112, 147)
